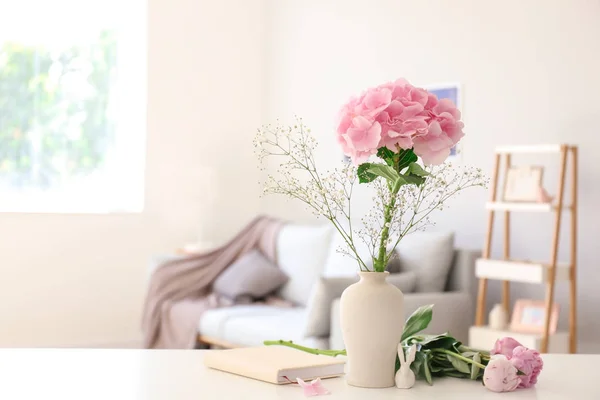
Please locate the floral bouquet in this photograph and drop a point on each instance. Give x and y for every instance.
(409, 133)
(398, 137)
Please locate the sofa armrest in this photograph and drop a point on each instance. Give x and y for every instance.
(453, 313)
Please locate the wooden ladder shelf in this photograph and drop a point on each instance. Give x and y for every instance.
(547, 273)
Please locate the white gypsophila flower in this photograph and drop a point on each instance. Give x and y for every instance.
(329, 195)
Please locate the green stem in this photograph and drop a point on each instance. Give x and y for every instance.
(331, 353)
(456, 355)
(388, 214)
(483, 353)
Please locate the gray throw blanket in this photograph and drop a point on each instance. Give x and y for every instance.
(180, 290)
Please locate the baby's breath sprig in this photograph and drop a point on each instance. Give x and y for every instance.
(329, 194)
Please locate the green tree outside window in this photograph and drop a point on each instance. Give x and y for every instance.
(55, 111)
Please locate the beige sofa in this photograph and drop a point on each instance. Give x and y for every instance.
(317, 276)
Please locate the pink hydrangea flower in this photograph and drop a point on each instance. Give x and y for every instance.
(398, 115)
(500, 375)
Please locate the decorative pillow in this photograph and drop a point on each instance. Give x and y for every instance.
(251, 277)
(301, 254)
(429, 255)
(330, 288)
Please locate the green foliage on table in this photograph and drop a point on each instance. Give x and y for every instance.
(436, 356)
(440, 355)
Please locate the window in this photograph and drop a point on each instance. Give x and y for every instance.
(72, 105)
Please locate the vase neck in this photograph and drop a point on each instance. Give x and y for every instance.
(373, 277)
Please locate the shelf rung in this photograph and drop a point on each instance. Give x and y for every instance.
(515, 206)
(519, 271)
(538, 148)
(484, 337)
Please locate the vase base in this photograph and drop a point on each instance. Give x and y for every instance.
(369, 385)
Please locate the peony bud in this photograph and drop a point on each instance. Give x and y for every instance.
(505, 346)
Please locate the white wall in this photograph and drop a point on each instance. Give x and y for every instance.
(68, 280)
(529, 71)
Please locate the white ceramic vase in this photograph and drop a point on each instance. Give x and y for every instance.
(372, 319)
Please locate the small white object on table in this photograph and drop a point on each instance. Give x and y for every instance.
(87, 374)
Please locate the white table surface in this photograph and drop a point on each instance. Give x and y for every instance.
(84, 374)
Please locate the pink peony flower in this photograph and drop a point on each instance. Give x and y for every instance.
(398, 115)
(500, 375)
(528, 362)
(505, 346)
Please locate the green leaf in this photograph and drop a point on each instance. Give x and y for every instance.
(456, 346)
(456, 374)
(417, 364)
(475, 368)
(426, 370)
(386, 155)
(416, 169)
(405, 157)
(364, 176)
(460, 365)
(414, 174)
(385, 171)
(436, 368)
(443, 341)
(425, 339)
(399, 182)
(418, 321)
(414, 179)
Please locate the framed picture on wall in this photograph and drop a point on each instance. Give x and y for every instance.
(450, 91)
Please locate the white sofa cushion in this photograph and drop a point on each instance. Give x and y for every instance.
(251, 325)
(429, 255)
(301, 255)
(329, 288)
(213, 322)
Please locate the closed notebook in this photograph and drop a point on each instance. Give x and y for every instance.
(274, 364)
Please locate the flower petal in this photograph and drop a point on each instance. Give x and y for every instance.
(314, 388)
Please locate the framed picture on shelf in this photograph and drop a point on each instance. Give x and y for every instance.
(529, 316)
(453, 92)
(522, 184)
